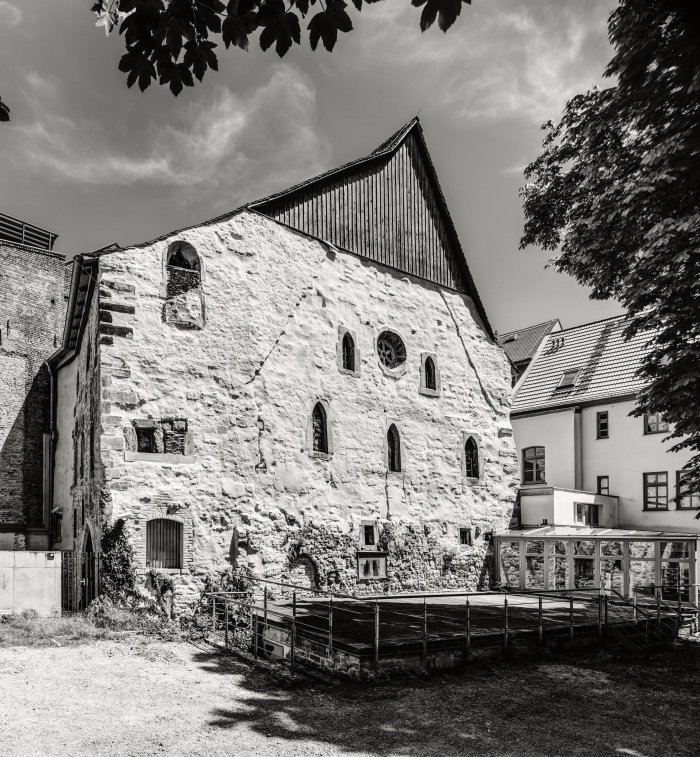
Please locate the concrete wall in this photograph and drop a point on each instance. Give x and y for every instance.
(274, 306)
(30, 581)
(32, 309)
(558, 507)
(554, 432)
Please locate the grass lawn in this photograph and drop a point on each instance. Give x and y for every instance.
(143, 696)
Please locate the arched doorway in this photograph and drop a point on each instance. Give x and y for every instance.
(88, 572)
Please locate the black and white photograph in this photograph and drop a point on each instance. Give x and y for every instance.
(350, 378)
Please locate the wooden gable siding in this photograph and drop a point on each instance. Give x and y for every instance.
(386, 210)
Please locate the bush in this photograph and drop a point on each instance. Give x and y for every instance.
(118, 574)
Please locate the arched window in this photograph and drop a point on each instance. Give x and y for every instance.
(429, 369)
(183, 269)
(533, 465)
(164, 543)
(348, 352)
(319, 429)
(471, 459)
(393, 447)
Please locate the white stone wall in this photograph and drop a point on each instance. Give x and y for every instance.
(275, 304)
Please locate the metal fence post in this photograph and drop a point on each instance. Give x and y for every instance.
(658, 608)
(226, 623)
(605, 600)
(265, 609)
(571, 616)
(600, 612)
(330, 625)
(425, 630)
(294, 631)
(213, 615)
(255, 632)
(469, 626)
(634, 606)
(539, 620)
(376, 632)
(505, 622)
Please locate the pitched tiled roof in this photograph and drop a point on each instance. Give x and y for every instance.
(521, 345)
(605, 361)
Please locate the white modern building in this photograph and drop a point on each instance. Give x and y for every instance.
(600, 499)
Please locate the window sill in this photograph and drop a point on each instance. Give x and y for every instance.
(472, 481)
(428, 392)
(158, 457)
(348, 372)
(321, 455)
(602, 437)
(655, 509)
(534, 483)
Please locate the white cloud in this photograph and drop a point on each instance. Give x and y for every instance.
(10, 15)
(499, 60)
(224, 142)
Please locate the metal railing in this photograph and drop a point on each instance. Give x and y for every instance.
(306, 623)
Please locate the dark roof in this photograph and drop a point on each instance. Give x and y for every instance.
(521, 345)
(606, 363)
(15, 230)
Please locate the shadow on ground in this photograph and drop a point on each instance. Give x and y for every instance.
(597, 705)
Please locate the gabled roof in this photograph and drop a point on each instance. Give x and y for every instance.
(387, 206)
(522, 344)
(606, 363)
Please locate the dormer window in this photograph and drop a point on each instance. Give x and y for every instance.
(568, 379)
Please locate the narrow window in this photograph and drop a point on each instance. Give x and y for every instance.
(75, 524)
(429, 369)
(369, 535)
(465, 537)
(654, 424)
(393, 443)
(182, 269)
(471, 459)
(319, 429)
(533, 465)
(685, 500)
(348, 352)
(163, 544)
(602, 425)
(656, 491)
(603, 485)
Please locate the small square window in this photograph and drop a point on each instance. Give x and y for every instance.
(602, 428)
(145, 439)
(587, 515)
(465, 537)
(568, 378)
(654, 424)
(603, 485)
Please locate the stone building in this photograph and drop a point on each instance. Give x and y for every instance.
(308, 386)
(32, 310)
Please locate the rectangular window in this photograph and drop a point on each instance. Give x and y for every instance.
(601, 423)
(587, 515)
(603, 485)
(163, 543)
(166, 436)
(684, 499)
(369, 536)
(465, 537)
(655, 424)
(568, 379)
(145, 439)
(533, 465)
(656, 491)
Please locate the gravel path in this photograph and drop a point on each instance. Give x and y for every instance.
(138, 697)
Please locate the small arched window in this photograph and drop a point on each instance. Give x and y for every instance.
(183, 269)
(319, 430)
(348, 352)
(533, 465)
(164, 543)
(393, 447)
(471, 459)
(429, 369)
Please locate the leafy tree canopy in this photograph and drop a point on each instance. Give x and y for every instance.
(616, 192)
(174, 41)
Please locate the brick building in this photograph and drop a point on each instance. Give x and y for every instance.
(308, 386)
(32, 311)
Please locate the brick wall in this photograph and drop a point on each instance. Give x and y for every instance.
(32, 311)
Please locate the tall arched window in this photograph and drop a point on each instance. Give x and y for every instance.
(393, 448)
(533, 465)
(319, 429)
(164, 543)
(183, 269)
(471, 459)
(430, 382)
(348, 352)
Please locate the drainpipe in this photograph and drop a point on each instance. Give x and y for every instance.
(48, 506)
(578, 450)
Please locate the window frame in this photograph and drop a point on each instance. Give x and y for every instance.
(587, 509)
(423, 387)
(647, 485)
(601, 416)
(659, 421)
(599, 488)
(680, 496)
(178, 527)
(325, 436)
(465, 537)
(569, 383)
(543, 457)
(342, 333)
(364, 545)
(398, 455)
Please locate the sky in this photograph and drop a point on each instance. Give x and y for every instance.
(96, 162)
